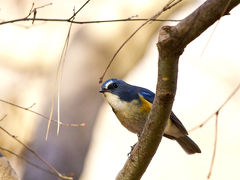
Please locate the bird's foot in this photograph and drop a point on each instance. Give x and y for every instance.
(130, 153)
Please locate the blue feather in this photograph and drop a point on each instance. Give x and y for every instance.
(147, 94)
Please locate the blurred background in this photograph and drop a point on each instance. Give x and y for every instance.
(29, 56)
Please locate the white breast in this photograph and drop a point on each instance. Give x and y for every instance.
(128, 113)
(115, 101)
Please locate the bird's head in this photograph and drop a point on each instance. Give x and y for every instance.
(119, 89)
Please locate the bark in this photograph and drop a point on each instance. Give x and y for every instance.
(171, 44)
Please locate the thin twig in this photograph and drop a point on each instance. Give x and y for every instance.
(3, 117)
(59, 70)
(87, 22)
(34, 10)
(27, 161)
(215, 146)
(31, 10)
(224, 11)
(43, 6)
(168, 6)
(31, 106)
(36, 155)
(62, 62)
(75, 13)
(224, 103)
(41, 115)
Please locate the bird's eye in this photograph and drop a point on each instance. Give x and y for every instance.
(112, 86)
(115, 85)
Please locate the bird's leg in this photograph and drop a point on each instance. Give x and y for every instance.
(129, 154)
(138, 135)
(132, 147)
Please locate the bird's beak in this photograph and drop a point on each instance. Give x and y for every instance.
(102, 90)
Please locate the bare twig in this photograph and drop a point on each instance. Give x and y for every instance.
(3, 117)
(31, 106)
(48, 4)
(36, 155)
(218, 110)
(171, 44)
(155, 16)
(41, 115)
(70, 20)
(27, 161)
(31, 10)
(61, 65)
(34, 11)
(215, 146)
(75, 13)
(224, 11)
(86, 22)
(59, 73)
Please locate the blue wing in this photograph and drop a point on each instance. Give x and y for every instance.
(147, 94)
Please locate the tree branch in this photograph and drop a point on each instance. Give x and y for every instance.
(171, 44)
(84, 22)
(25, 160)
(165, 8)
(217, 111)
(39, 114)
(36, 155)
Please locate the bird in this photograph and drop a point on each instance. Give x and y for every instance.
(132, 104)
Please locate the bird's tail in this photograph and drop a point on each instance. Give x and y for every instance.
(188, 145)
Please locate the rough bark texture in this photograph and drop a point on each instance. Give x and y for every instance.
(171, 44)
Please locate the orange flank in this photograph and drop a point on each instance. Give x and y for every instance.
(146, 106)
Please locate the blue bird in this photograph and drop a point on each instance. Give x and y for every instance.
(131, 104)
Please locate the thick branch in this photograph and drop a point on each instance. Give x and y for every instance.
(172, 41)
(197, 22)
